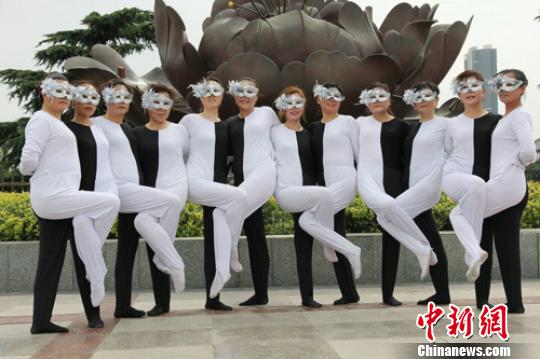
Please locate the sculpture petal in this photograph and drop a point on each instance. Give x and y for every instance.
(330, 12)
(216, 38)
(454, 39)
(356, 22)
(179, 59)
(398, 17)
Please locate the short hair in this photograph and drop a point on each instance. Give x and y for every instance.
(378, 84)
(469, 73)
(84, 82)
(422, 85)
(250, 79)
(115, 82)
(160, 87)
(518, 74)
(330, 84)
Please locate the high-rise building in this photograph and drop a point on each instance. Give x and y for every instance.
(484, 61)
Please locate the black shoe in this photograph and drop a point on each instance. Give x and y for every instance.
(95, 323)
(343, 300)
(515, 310)
(254, 300)
(310, 303)
(439, 300)
(48, 328)
(391, 301)
(217, 305)
(157, 310)
(129, 312)
(480, 305)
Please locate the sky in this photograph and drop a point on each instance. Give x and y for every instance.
(507, 26)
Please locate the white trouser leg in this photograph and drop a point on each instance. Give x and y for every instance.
(229, 202)
(259, 186)
(468, 216)
(155, 208)
(93, 216)
(395, 220)
(506, 191)
(341, 182)
(316, 206)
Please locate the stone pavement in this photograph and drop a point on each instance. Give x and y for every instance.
(282, 329)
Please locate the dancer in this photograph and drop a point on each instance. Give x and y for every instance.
(506, 191)
(96, 175)
(468, 146)
(424, 161)
(296, 192)
(223, 205)
(155, 211)
(50, 156)
(334, 141)
(380, 181)
(254, 172)
(162, 148)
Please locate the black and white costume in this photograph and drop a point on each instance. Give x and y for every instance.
(157, 211)
(50, 155)
(380, 184)
(334, 146)
(296, 192)
(254, 172)
(512, 149)
(468, 142)
(161, 157)
(224, 205)
(424, 161)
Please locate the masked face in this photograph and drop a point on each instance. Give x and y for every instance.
(504, 83)
(116, 96)
(57, 88)
(470, 85)
(155, 101)
(412, 97)
(290, 102)
(207, 89)
(241, 89)
(331, 93)
(86, 95)
(375, 95)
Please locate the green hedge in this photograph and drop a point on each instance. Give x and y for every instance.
(18, 222)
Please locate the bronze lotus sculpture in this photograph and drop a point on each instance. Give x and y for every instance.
(300, 42)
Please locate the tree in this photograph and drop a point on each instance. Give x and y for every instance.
(128, 31)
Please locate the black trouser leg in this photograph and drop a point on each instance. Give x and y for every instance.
(506, 226)
(128, 241)
(83, 284)
(209, 253)
(303, 245)
(438, 272)
(390, 260)
(160, 282)
(53, 238)
(259, 258)
(342, 267)
(483, 283)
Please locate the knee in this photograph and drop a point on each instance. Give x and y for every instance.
(139, 221)
(173, 201)
(114, 203)
(80, 220)
(241, 196)
(477, 186)
(388, 205)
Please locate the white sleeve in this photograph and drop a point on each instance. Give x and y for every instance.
(37, 134)
(355, 132)
(185, 140)
(448, 141)
(523, 128)
(274, 119)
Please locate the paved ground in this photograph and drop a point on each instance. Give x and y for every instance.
(281, 329)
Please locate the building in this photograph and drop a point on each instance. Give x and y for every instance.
(484, 61)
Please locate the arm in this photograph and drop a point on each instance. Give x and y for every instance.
(185, 141)
(37, 135)
(274, 119)
(523, 129)
(355, 132)
(448, 142)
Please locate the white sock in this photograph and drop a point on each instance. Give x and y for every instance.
(235, 264)
(474, 270)
(356, 264)
(217, 286)
(179, 280)
(97, 293)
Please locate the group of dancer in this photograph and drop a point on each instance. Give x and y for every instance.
(88, 171)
